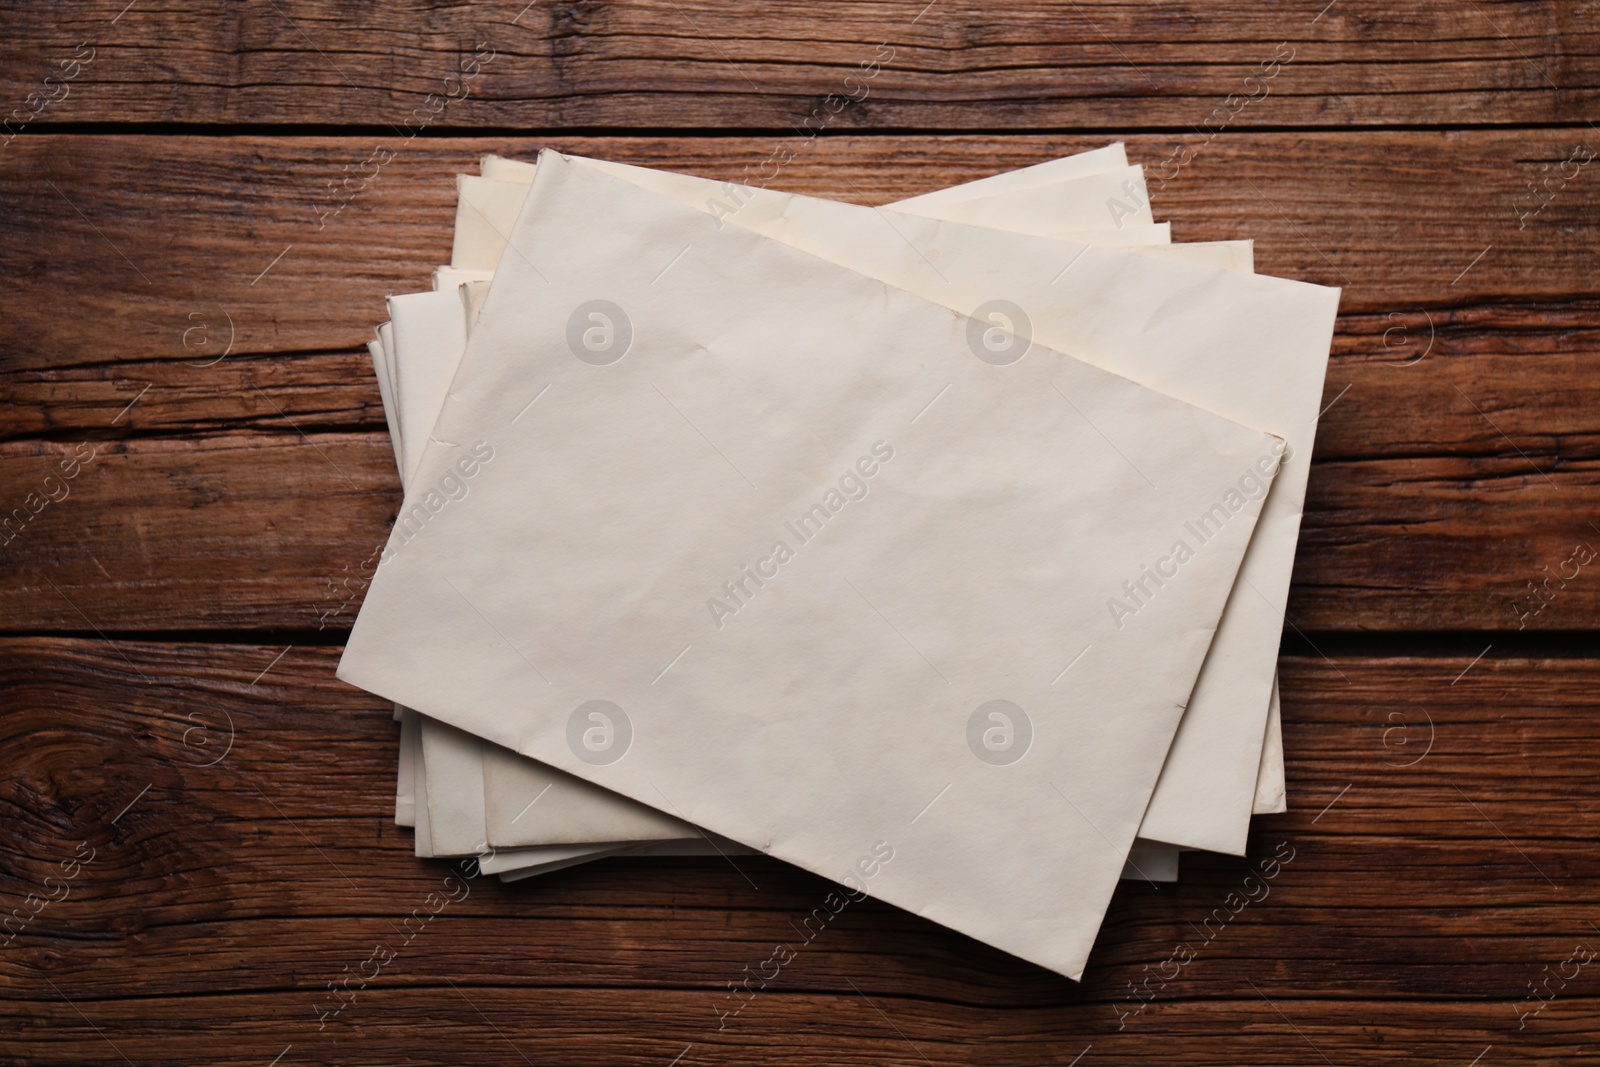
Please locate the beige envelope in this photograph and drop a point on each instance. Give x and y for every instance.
(511, 778)
(536, 781)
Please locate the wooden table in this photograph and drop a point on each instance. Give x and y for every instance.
(205, 206)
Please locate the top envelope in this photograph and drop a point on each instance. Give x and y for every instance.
(811, 563)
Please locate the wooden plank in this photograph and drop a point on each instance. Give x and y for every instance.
(1484, 380)
(162, 247)
(236, 803)
(278, 532)
(210, 533)
(608, 1028)
(889, 64)
(274, 393)
(1495, 380)
(1497, 543)
(613, 1028)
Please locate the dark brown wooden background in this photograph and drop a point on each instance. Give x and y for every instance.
(169, 629)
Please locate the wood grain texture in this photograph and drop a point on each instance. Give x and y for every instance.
(1488, 380)
(488, 1024)
(260, 863)
(912, 64)
(171, 247)
(186, 305)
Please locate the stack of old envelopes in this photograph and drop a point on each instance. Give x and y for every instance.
(939, 548)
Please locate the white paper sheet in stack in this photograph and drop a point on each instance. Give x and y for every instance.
(928, 547)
